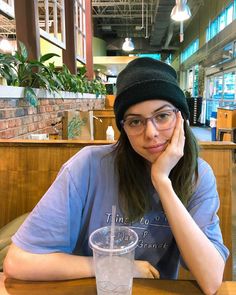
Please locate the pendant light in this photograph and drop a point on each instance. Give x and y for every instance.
(128, 45)
(181, 11)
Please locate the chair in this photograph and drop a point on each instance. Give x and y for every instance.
(231, 131)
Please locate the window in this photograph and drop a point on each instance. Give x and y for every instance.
(221, 91)
(190, 50)
(7, 7)
(152, 55)
(214, 28)
(218, 87)
(229, 86)
(52, 21)
(229, 14)
(221, 21)
(80, 27)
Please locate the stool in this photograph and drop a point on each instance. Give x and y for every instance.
(222, 131)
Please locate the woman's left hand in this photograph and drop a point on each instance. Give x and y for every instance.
(174, 151)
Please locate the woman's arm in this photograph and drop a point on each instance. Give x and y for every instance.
(22, 265)
(202, 258)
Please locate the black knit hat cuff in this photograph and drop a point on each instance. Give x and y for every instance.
(149, 90)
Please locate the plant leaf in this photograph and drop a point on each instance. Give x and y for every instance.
(30, 96)
(47, 56)
(23, 55)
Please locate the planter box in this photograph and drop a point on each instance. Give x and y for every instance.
(18, 92)
(19, 119)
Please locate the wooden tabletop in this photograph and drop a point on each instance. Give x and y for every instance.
(88, 287)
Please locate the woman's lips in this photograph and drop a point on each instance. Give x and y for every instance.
(153, 149)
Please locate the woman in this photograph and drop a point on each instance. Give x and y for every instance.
(154, 177)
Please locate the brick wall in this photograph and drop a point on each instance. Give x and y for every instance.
(18, 119)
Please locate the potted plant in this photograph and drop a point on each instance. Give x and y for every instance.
(18, 70)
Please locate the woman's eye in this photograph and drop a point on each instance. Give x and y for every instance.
(134, 122)
(162, 116)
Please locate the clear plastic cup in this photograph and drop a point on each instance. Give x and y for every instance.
(114, 267)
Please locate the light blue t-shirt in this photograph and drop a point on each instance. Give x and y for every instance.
(80, 201)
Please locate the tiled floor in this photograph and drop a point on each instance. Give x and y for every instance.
(204, 134)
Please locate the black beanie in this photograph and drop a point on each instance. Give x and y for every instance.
(145, 79)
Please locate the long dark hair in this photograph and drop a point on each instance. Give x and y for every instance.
(134, 175)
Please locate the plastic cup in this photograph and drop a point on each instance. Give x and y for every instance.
(114, 267)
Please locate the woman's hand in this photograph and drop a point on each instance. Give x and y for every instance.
(174, 151)
(143, 269)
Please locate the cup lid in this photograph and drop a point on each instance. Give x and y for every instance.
(125, 240)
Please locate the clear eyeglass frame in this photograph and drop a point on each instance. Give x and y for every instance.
(167, 122)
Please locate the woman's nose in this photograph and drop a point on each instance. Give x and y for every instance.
(150, 129)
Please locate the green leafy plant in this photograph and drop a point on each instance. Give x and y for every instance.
(187, 94)
(79, 82)
(18, 70)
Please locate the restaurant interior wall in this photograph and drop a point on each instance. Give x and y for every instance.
(209, 53)
(197, 28)
(19, 120)
(48, 47)
(99, 47)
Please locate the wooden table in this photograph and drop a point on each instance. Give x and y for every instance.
(88, 287)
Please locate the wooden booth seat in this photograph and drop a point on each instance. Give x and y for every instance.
(27, 169)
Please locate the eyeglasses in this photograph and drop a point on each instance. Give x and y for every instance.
(162, 120)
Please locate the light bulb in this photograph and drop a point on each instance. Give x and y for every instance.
(181, 11)
(128, 45)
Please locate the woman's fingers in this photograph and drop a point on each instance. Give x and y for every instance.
(172, 154)
(143, 269)
(178, 137)
(177, 134)
(155, 273)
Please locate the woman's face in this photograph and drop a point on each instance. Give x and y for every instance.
(152, 141)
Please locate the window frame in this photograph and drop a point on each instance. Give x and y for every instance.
(7, 7)
(57, 4)
(80, 30)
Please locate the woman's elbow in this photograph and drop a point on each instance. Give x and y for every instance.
(212, 285)
(12, 264)
(9, 267)
(212, 288)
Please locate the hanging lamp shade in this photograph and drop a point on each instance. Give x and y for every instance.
(181, 11)
(128, 45)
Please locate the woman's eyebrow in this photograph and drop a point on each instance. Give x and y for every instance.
(153, 112)
(162, 107)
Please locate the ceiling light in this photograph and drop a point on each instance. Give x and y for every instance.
(128, 45)
(181, 11)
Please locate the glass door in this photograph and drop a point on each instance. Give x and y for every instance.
(221, 91)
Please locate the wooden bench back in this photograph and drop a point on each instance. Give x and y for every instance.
(27, 169)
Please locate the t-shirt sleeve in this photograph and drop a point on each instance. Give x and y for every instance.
(55, 222)
(204, 205)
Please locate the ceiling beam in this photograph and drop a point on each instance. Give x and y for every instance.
(119, 16)
(112, 4)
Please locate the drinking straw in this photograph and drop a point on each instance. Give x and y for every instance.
(113, 216)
